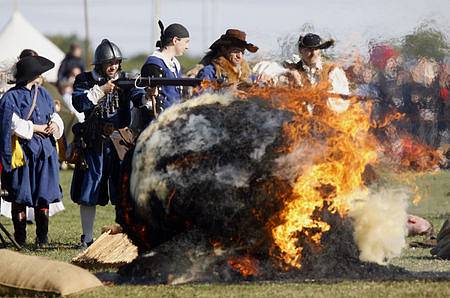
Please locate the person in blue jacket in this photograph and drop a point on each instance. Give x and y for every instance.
(225, 61)
(174, 42)
(27, 113)
(106, 109)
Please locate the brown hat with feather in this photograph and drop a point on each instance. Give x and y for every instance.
(234, 37)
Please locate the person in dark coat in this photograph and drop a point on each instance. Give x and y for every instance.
(225, 61)
(106, 109)
(424, 95)
(173, 43)
(71, 64)
(27, 112)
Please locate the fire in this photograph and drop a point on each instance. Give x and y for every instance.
(245, 265)
(346, 149)
(387, 120)
(413, 155)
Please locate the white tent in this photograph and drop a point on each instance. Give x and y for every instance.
(19, 34)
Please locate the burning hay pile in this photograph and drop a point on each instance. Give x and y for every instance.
(272, 185)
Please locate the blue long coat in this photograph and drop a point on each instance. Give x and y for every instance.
(37, 182)
(99, 183)
(207, 73)
(170, 94)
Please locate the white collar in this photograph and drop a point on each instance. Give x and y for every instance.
(172, 64)
(313, 69)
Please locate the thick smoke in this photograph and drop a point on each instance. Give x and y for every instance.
(156, 141)
(205, 162)
(379, 217)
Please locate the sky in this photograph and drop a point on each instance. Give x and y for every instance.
(130, 23)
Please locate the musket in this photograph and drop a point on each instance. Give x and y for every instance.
(350, 96)
(141, 82)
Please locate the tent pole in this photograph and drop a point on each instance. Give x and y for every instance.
(87, 56)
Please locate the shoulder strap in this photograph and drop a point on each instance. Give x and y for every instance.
(33, 104)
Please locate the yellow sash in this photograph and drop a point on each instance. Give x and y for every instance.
(18, 159)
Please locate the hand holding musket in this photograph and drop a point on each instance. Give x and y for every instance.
(108, 87)
(151, 93)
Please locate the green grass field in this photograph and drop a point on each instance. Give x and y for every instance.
(65, 230)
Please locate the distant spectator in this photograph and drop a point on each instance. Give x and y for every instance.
(72, 61)
(391, 84)
(424, 93)
(66, 90)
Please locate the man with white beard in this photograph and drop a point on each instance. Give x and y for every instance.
(309, 71)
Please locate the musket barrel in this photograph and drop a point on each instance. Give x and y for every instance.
(154, 82)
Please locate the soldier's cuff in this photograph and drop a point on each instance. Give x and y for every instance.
(147, 102)
(95, 94)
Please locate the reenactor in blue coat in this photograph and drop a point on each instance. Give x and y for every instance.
(107, 109)
(28, 134)
(174, 41)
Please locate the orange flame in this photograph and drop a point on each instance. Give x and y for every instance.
(246, 265)
(346, 149)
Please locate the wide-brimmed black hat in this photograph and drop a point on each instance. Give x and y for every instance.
(234, 37)
(313, 41)
(28, 68)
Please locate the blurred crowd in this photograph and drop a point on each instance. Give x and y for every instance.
(417, 91)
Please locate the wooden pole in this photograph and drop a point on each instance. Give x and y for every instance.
(87, 55)
(16, 5)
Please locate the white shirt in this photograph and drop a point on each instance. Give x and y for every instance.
(24, 128)
(337, 77)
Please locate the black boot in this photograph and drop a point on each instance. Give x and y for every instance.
(41, 217)
(19, 218)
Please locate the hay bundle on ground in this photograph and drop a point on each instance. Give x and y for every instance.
(109, 250)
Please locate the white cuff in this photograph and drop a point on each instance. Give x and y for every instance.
(339, 85)
(148, 103)
(339, 82)
(57, 119)
(22, 128)
(338, 105)
(95, 94)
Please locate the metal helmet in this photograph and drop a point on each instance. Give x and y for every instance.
(107, 51)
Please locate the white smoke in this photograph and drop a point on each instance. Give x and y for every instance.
(379, 223)
(156, 141)
(297, 161)
(233, 176)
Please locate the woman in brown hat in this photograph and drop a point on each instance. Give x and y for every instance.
(225, 62)
(27, 113)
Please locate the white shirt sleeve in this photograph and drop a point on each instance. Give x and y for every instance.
(269, 70)
(95, 94)
(148, 103)
(339, 82)
(67, 98)
(22, 128)
(57, 119)
(339, 85)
